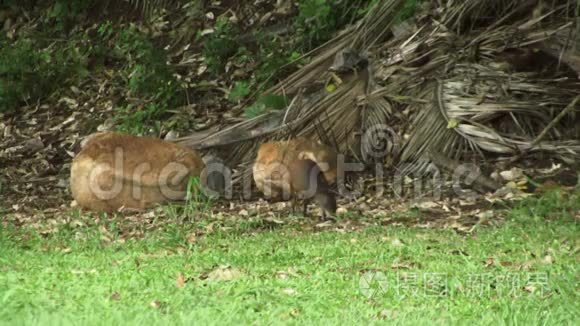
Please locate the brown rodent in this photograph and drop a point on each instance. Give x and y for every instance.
(301, 148)
(286, 170)
(115, 170)
(307, 182)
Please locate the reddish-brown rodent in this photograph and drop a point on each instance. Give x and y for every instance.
(289, 170)
(115, 170)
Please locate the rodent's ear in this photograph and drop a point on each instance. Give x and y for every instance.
(307, 155)
(88, 138)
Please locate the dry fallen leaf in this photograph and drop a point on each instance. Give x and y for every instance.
(512, 175)
(157, 304)
(273, 220)
(180, 282)
(81, 272)
(397, 243)
(402, 265)
(207, 31)
(290, 291)
(485, 215)
(427, 205)
(294, 312)
(530, 288)
(386, 314)
(324, 224)
(526, 266)
(548, 260)
(286, 274)
(489, 262)
(224, 273)
(191, 238)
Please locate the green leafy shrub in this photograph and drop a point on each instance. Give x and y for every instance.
(319, 20)
(554, 204)
(24, 4)
(408, 10)
(197, 203)
(139, 119)
(147, 76)
(272, 59)
(29, 73)
(67, 12)
(241, 90)
(315, 20)
(266, 104)
(148, 72)
(196, 200)
(219, 46)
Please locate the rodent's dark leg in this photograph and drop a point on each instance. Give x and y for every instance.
(305, 210)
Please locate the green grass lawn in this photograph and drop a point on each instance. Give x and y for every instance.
(523, 272)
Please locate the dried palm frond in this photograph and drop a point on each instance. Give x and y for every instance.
(452, 87)
(147, 7)
(360, 37)
(336, 112)
(480, 107)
